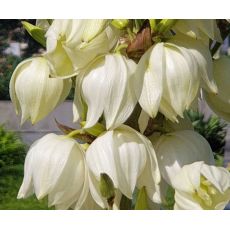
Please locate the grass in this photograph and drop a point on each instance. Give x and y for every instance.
(12, 156)
(10, 182)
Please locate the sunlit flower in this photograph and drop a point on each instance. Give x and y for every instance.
(172, 74)
(107, 88)
(55, 166)
(201, 186)
(72, 44)
(176, 149)
(128, 158)
(33, 93)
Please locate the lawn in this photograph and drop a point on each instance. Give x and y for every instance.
(10, 181)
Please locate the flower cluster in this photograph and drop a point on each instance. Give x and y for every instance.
(134, 81)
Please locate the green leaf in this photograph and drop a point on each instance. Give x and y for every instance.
(142, 202)
(35, 32)
(106, 186)
(125, 203)
(96, 130)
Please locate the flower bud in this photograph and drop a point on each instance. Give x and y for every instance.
(36, 32)
(120, 23)
(220, 103)
(55, 166)
(201, 186)
(33, 93)
(106, 186)
(165, 24)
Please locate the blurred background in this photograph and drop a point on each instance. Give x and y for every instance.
(16, 45)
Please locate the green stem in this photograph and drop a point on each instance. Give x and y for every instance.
(153, 24)
(75, 132)
(120, 47)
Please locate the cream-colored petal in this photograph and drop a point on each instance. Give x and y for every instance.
(94, 92)
(151, 67)
(121, 98)
(204, 60)
(36, 93)
(174, 150)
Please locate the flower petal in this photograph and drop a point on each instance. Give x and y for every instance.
(151, 67)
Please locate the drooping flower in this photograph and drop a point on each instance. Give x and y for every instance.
(128, 158)
(72, 44)
(176, 149)
(33, 93)
(201, 186)
(220, 103)
(55, 166)
(172, 74)
(107, 88)
(199, 29)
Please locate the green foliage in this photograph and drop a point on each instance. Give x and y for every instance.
(12, 149)
(12, 156)
(10, 181)
(212, 129)
(169, 199)
(7, 66)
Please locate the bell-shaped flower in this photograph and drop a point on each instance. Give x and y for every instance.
(33, 93)
(204, 60)
(220, 103)
(176, 149)
(72, 44)
(172, 74)
(201, 186)
(107, 87)
(55, 166)
(199, 29)
(128, 158)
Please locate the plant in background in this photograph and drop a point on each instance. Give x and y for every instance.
(12, 157)
(212, 129)
(12, 149)
(134, 81)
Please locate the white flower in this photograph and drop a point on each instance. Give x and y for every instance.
(220, 103)
(204, 60)
(107, 87)
(176, 149)
(33, 93)
(55, 166)
(128, 158)
(72, 44)
(199, 29)
(200, 186)
(172, 73)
